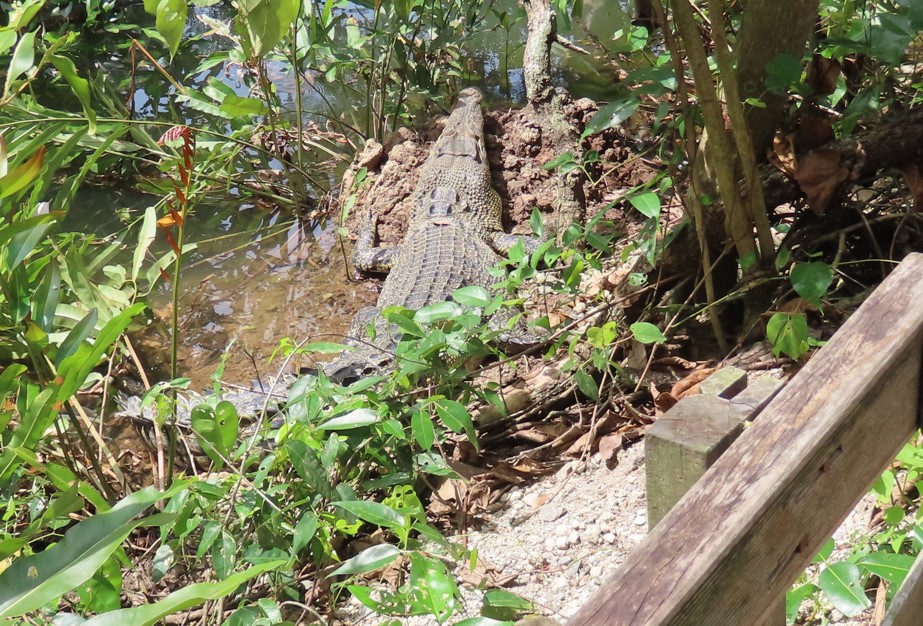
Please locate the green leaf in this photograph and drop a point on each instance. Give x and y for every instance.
(359, 418)
(23, 61)
(811, 280)
(305, 530)
(648, 204)
(239, 106)
(612, 114)
(788, 333)
(454, 415)
(75, 369)
(587, 385)
(80, 87)
(842, 584)
(184, 598)
(891, 567)
(535, 223)
(262, 23)
(558, 161)
(794, 598)
(437, 312)
(46, 297)
(472, 295)
(78, 334)
(368, 560)
(145, 238)
(33, 581)
(374, 513)
(23, 174)
(424, 433)
(782, 72)
(323, 347)
(645, 332)
(171, 22)
(404, 319)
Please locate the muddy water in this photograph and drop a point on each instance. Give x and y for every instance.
(280, 282)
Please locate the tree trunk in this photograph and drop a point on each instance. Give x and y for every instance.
(557, 131)
(769, 28)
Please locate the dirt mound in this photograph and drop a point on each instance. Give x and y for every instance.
(518, 154)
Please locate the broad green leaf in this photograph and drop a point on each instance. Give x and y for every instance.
(262, 23)
(437, 312)
(205, 426)
(842, 584)
(612, 114)
(558, 161)
(782, 72)
(374, 513)
(7, 41)
(171, 22)
(811, 280)
(587, 385)
(404, 319)
(424, 433)
(184, 598)
(456, 417)
(645, 332)
(22, 14)
(472, 295)
(305, 530)
(164, 558)
(788, 333)
(506, 599)
(358, 418)
(33, 581)
(145, 239)
(891, 567)
(794, 598)
(23, 61)
(324, 347)
(238, 106)
(80, 87)
(368, 560)
(648, 204)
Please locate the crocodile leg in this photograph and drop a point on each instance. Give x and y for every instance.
(368, 257)
(503, 242)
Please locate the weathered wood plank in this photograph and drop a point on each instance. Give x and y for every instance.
(907, 607)
(733, 545)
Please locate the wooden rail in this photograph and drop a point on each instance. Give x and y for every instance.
(738, 539)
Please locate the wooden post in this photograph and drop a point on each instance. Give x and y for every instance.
(688, 439)
(743, 533)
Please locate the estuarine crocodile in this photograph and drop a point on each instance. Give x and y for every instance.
(454, 238)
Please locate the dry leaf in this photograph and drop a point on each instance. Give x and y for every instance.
(823, 74)
(782, 154)
(814, 130)
(819, 174)
(914, 179)
(609, 447)
(689, 386)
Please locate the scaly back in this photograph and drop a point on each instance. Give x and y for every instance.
(455, 183)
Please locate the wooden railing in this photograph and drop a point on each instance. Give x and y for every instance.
(727, 552)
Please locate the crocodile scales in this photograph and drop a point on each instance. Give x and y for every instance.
(454, 237)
